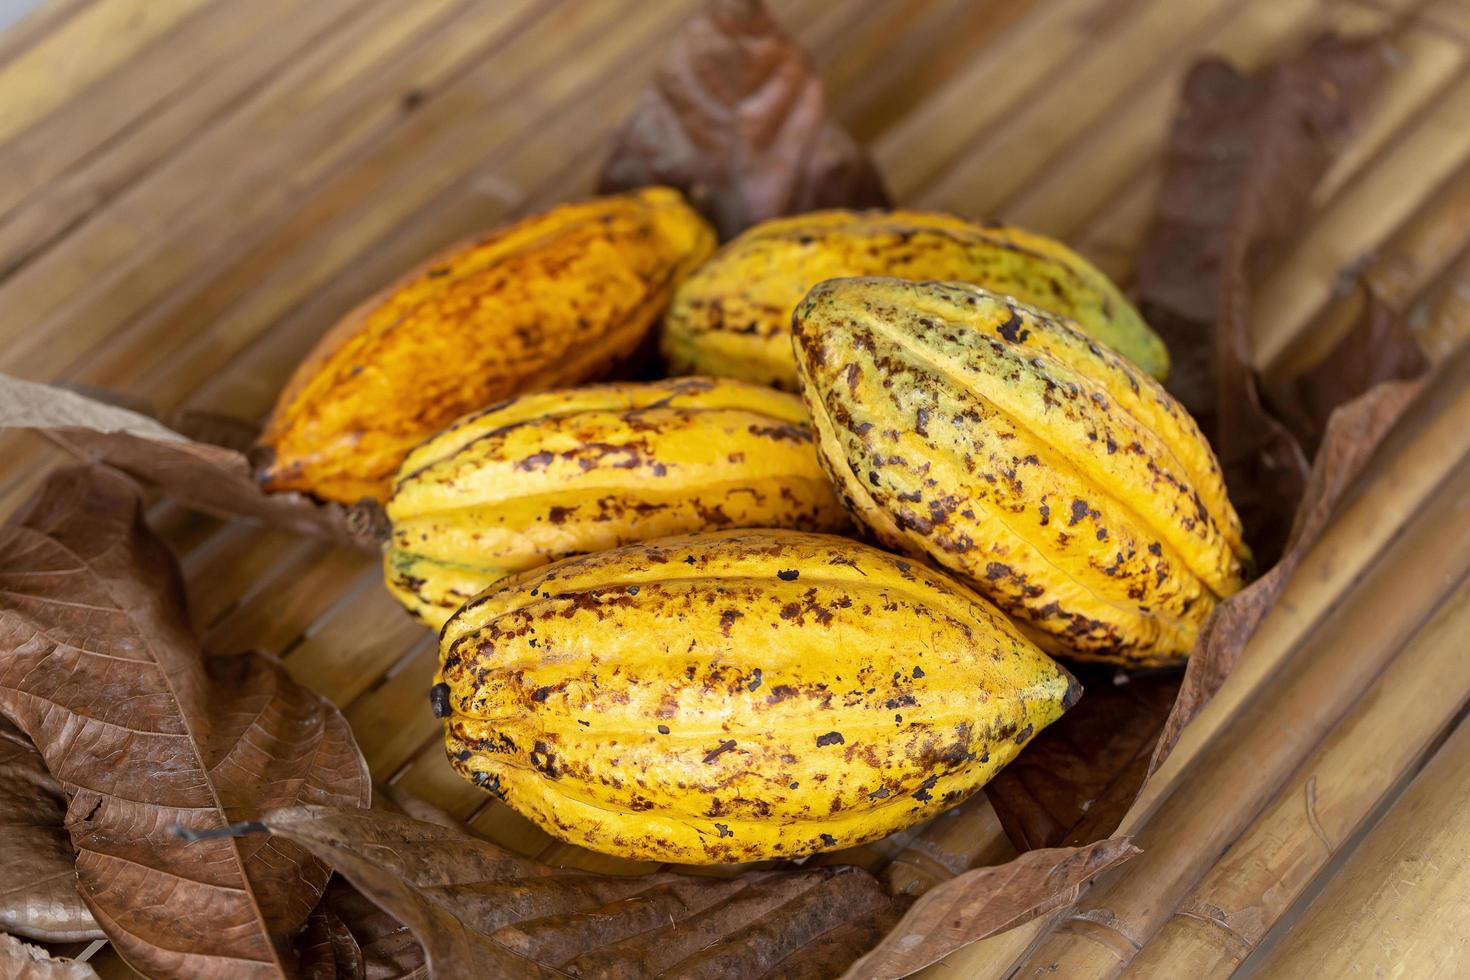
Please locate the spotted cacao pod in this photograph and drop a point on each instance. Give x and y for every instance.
(549, 301)
(732, 317)
(560, 473)
(737, 695)
(999, 442)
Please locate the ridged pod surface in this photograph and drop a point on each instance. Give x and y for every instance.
(733, 316)
(737, 695)
(554, 474)
(547, 302)
(1001, 443)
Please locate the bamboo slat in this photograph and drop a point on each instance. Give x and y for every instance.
(1443, 321)
(53, 69)
(983, 93)
(997, 164)
(389, 721)
(35, 24)
(1316, 814)
(65, 163)
(351, 646)
(1118, 144)
(1399, 905)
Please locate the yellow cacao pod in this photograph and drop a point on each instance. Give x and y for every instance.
(561, 473)
(737, 695)
(733, 316)
(549, 301)
(999, 442)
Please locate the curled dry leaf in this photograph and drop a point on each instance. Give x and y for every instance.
(482, 911)
(1074, 788)
(22, 961)
(1380, 347)
(1244, 156)
(479, 909)
(38, 878)
(736, 118)
(213, 478)
(350, 938)
(99, 667)
(1352, 434)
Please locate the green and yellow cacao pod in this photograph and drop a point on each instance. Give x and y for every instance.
(550, 301)
(999, 442)
(737, 695)
(560, 473)
(733, 316)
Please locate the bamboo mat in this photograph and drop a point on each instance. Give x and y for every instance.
(192, 191)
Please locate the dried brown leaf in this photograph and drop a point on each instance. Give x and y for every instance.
(100, 668)
(1381, 346)
(38, 878)
(736, 118)
(1074, 786)
(482, 911)
(213, 478)
(987, 901)
(22, 961)
(350, 938)
(1352, 434)
(1244, 156)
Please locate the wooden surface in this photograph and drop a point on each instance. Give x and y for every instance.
(191, 191)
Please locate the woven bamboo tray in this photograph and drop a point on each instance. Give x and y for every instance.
(192, 191)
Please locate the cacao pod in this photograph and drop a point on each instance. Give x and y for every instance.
(732, 317)
(1002, 444)
(553, 474)
(549, 301)
(737, 695)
